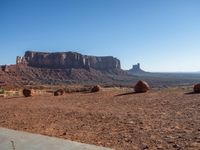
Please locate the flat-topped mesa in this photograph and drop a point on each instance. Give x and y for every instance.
(65, 60)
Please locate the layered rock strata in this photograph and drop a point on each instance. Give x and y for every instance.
(66, 60)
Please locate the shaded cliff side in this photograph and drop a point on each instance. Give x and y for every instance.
(67, 60)
(35, 68)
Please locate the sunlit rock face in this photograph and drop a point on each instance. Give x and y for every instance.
(65, 60)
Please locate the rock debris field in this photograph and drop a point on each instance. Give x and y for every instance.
(116, 118)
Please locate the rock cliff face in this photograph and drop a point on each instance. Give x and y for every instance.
(65, 60)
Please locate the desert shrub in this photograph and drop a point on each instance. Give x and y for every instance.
(2, 91)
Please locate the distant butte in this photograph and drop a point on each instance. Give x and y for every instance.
(136, 69)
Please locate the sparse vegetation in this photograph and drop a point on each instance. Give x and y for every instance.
(2, 91)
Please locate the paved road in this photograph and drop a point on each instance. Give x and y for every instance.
(18, 140)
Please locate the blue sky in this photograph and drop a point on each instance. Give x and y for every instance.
(163, 35)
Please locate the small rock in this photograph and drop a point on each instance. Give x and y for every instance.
(131, 122)
(96, 88)
(64, 133)
(145, 147)
(59, 92)
(176, 146)
(27, 92)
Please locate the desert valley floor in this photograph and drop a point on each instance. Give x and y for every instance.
(116, 118)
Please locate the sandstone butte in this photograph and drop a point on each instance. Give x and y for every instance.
(66, 60)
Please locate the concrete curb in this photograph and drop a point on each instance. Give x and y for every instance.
(19, 140)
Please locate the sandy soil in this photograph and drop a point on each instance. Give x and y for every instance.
(160, 119)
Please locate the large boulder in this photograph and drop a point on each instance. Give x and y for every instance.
(196, 88)
(141, 87)
(27, 92)
(95, 88)
(59, 92)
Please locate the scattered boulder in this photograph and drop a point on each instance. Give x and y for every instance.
(27, 92)
(95, 88)
(59, 92)
(196, 88)
(141, 87)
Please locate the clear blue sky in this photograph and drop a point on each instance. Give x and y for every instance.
(163, 35)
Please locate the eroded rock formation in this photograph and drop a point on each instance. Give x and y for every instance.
(65, 60)
(136, 69)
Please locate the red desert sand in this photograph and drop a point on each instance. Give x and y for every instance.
(160, 119)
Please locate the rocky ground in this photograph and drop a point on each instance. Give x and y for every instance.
(22, 76)
(117, 118)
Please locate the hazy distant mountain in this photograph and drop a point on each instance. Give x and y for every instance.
(136, 70)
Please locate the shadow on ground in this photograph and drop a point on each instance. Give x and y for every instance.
(128, 93)
(15, 97)
(191, 93)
